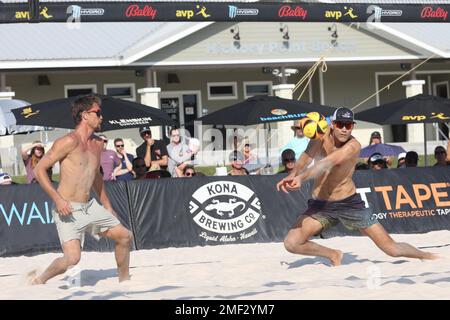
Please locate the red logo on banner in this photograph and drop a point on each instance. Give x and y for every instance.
(287, 11)
(135, 11)
(428, 12)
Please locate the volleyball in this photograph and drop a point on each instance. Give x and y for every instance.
(314, 125)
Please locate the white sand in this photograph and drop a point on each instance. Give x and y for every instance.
(246, 271)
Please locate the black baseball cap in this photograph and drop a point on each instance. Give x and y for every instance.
(375, 134)
(343, 115)
(144, 129)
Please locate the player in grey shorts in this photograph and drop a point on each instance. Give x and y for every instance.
(74, 211)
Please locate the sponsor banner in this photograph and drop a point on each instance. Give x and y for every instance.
(224, 210)
(213, 11)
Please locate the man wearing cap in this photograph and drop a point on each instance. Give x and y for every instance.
(375, 138)
(299, 142)
(74, 211)
(109, 160)
(377, 162)
(401, 160)
(334, 196)
(153, 151)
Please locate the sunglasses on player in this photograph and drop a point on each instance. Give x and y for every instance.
(347, 125)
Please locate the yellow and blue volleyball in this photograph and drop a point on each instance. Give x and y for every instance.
(314, 125)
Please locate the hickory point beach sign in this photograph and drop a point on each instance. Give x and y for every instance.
(225, 210)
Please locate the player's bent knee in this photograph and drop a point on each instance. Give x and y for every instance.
(291, 243)
(73, 259)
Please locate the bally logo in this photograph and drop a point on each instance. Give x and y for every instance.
(225, 208)
(430, 12)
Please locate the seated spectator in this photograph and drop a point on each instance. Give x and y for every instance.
(139, 168)
(411, 159)
(179, 154)
(401, 160)
(31, 159)
(441, 156)
(5, 179)
(288, 161)
(299, 142)
(189, 171)
(375, 138)
(124, 171)
(377, 162)
(154, 152)
(361, 166)
(249, 157)
(237, 160)
(108, 160)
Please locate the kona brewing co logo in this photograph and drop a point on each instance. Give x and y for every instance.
(428, 12)
(225, 208)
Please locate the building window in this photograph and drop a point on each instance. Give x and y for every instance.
(222, 90)
(72, 90)
(255, 88)
(126, 91)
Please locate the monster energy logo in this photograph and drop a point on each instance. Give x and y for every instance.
(235, 11)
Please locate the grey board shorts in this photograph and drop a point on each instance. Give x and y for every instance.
(351, 212)
(88, 217)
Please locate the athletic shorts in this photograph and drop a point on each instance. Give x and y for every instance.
(88, 217)
(351, 212)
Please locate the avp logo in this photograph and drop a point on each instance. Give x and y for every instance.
(28, 112)
(337, 14)
(225, 208)
(26, 14)
(188, 14)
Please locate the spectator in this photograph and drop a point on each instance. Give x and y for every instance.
(249, 157)
(411, 159)
(401, 160)
(154, 152)
(448, 150)
(5, 179)
(377, 162)
(108, 161)
(189, 171)
(139, 168)
(299, 142)
(361, 166)
(179, 154)
(124, 171)
(375, 138)
(237, 161)
(441, 156)
(31, 159)
(288, 161)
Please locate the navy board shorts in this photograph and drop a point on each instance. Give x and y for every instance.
(351, 212)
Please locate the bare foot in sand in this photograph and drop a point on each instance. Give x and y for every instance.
(33, 279)
(430, 256)
(336, 258)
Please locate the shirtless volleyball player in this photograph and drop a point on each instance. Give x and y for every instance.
(74, 211)
(334, 197)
